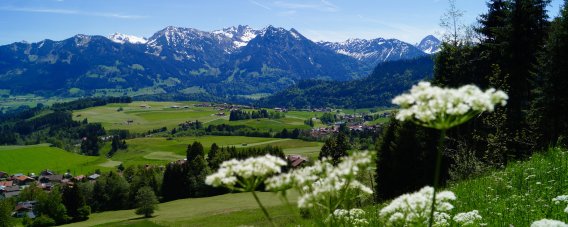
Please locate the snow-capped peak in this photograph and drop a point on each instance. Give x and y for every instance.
(123, 38)
(429, 44)
(239, 36)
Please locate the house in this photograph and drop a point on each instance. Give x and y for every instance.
(296, 160)
(25, 209)
(11, 191)
(93, 177)
(6, 183)
(4, 175)
(22, 180)
(51, 178)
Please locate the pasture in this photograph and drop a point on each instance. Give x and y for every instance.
(201, 212)
(144, 116)
(160, 150)
(35, 158)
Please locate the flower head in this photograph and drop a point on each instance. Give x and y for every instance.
(353, 217)
(323, 181)
(443, 108)
(414, 208)
(548, 223)
(234, 173)
(468, 218)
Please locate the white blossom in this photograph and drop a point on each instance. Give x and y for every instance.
(231, 171)
(322, 181)
(561, 199)
(443, 108)
(414, 208)
(468, 218)
(548, 223)
(354, 217)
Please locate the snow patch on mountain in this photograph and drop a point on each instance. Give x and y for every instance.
(123, 38)
(429, 44)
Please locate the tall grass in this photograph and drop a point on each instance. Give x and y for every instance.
(519, 194)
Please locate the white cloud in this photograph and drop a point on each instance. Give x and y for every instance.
(322, 5)
(71, 12)
(260, 4)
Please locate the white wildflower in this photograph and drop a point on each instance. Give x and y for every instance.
(443, 108)
(234, 173)
(414, 208)
(548, 223)
(468, 218)
(323, 183)
(354, 217)
(561, 199)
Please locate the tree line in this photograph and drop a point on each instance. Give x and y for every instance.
(184, 179)
(237, 115)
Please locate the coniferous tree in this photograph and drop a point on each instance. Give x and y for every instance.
(405, 159)
(527, 34)
(550, 108)
(146, 202)
(196, 170)
(75, 203)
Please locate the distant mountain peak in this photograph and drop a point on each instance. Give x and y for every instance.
(123, 38)
(429, 44)
(374, 50)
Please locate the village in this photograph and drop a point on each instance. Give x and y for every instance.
(12, 185)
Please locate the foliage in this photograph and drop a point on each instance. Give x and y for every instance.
(6, 207)
(146, 202)
(75, 203)
(236, 115)
(404, 159)
(110, 192)
(335, 148)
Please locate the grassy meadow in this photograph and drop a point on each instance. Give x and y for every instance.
(160, 114)
(34, 158)
(520, 194)
(223, 210)
(159, 150)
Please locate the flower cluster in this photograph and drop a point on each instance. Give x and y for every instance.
(247, 173)
(468, 218)
(353, 217)
(561, 199)
(324, 185)
(443, 108)
(414, 208)
(548, 223)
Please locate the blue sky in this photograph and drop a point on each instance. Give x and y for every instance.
(330, 20)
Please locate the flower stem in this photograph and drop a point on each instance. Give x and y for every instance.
(262, 208)
(437, 174)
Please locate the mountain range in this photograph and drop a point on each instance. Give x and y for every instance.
(232, 61)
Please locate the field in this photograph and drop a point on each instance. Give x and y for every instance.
(210, 211)
(12, 102)
(160, 114)
(35, 158)
(159, 150)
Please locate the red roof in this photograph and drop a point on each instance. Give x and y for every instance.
(22, 178)
(6, 183)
